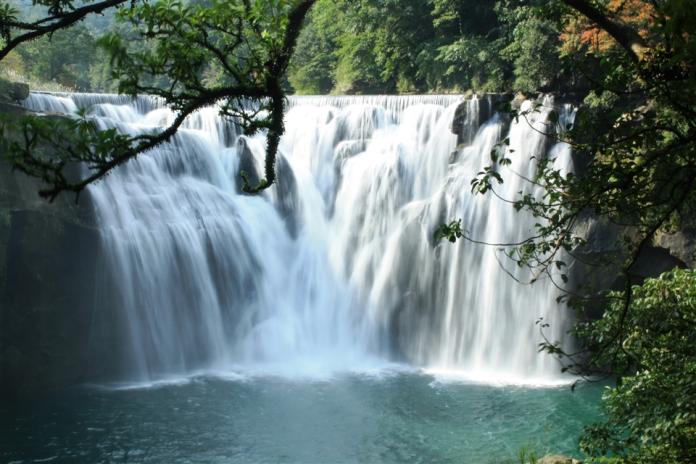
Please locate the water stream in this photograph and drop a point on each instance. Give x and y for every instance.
(335, 267)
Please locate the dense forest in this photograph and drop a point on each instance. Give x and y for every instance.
(378, 46)
(426, 46)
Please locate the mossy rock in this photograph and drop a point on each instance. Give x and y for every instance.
(13, 92)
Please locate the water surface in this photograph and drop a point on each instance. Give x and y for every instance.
(351, 418)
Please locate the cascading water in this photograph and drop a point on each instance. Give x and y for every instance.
(335, 267)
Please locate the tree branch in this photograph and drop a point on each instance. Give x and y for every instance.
(277, 66)
(62, 21)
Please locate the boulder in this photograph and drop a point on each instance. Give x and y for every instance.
(680, 244)
(247, 165)
(285, 196)
(13, 92)
(558, 459)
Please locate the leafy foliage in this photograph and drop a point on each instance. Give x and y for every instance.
(65, 59)
(364, 46)
(313, 66)
(50, 148)
(532, 50)
(638, 140)
(651, 413)
(386, 46)
(451, 231)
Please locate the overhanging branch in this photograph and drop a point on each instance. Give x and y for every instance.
(53, 23)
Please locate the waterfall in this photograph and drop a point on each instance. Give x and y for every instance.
(335, 266)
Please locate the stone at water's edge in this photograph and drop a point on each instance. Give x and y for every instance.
(557, 459)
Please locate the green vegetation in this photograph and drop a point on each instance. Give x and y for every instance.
(387, 46)
(364, 46)
(66, 59)
(651, 414)
(51, 44)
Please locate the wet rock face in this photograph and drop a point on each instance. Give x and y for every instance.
(286, 198)
(599, 263)
(475, 111)
(47, 317)
(467, 118)
(605, 249)
(283, 193)
(680, 244)
(48, 263)
(247, 165)
(11, 109)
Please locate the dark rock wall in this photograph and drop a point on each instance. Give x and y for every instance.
(47, 313)
(49, 259)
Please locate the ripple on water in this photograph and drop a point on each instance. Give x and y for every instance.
(393, 417)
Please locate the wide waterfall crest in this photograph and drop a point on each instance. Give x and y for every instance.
(333, 268)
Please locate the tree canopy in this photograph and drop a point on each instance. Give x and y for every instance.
(387, 46)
